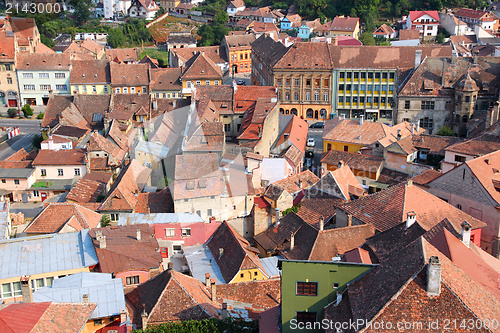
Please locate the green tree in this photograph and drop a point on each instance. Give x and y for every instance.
(82, 11)
(105, 221)
(40, 115)
(47, 41)
(12, 112)
(159, 13)
(445, 131)
(36, 141)
(367, 38)
(221, 18)
(116, 38)
(27, 111)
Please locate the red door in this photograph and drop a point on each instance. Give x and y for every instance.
(13, 103)
(164, 252)
(44, 196)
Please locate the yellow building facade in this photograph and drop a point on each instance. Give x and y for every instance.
(245, 275)
(341, 146)
(94, 89)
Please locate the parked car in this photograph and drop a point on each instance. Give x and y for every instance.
(240, 82)
(309, 154)
(317, 125)
(311, 142)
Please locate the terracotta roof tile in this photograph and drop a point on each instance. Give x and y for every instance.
(124, 106)
(216, 53)
(384, 29)
(60, 157)
(350, 131)
(90, 72)
(239, 42)
(487, 170)
(425, 177)
(165, 79)
(155, 202)
(85, 190)
(43, 61)
(201, 67)
(299, 56)
(353, 160)
(19, 160)
(129, 74)
(291, 184)
(340, 23)
(130, 54)
(123, 252)
(477, 146)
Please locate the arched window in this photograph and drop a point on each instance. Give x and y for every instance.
(316, 114)
(309, 113)
(282, 111)
(287, 112)
(322, 113)
(308, 96)
(294, 111)
(316, 96)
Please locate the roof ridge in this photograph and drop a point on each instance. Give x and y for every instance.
(191, 296)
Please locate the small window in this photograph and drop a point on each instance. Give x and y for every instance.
(335, 285)
(307, 288)
(94, 89)
(459, 158)
(144, 90)
(306, 317)
(16, 181)
(209, 212)
(105, 88)
(459, 206)
(132, 280)
(36, 194)
(346, 148)
(255, 273)
(84, 89)
(43, 172)
(6, 290)
(132, 90)
(207, 82)
(169, 232)
(241, 275)
(98, 322)
(186, 232)
(77, 171)
(60, 172)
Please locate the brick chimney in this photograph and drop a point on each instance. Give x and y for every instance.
(170, 266)
(411, 217)
(224, 311)
(399, 134)
(26, 291)
(321, 223)
(434, 276)
(466, 233)
(361, 118)
(213, 290)
(85, 298)
(123, 316)
(207, 280)
(412, 128)
(349, 220)
(292, 241)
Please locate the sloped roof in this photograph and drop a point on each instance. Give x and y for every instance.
(384, 29)
(314, 56)
(128, 54)
(388, 208)
(99, 143)
(416, 14)
(216, 53)
(201, 67)
(425, 177)
(232, 252)
(85, 190)
(239, 42)
(481, 145)
(291, 184)
(57, 215)
(124, 106)
(19, 160)
(353, 160)
(43, 61)
(165, 79)
(122, 195)
(172, 296)
(124, 251)
(90, 72)
(129, 74)
(350, 131)
(60, 157)
(269, 50)
(340, 23)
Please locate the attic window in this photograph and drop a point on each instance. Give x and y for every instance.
(202, 183)
(221, 252)
(96, 117)
(83, 75)
(190, 185)
(224, 106)
(496, 184)
(203, 71)
(95, 75)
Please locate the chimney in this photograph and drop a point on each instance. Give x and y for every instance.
(26, 291)
(277, 216)
(170, 266)
(341, 163)
(411, 217)
(292, 241)
(335, 40)
(138, 234)
(123, 316)
(417, 127)
(174, 104)
(144, 317)
(98, 234)
(466, 232)
(102, 242)
(260, 132)
(213, 290)
(85, 298)
(155, 105)
(321, 223)
(349, 220)
(418, 57)
(300, 183)
(47, 183)
(361, 120)
(434, 276)
(207, 280)
(474, 61)
(224, 311)
(412, 128)
(454, 56)
(399, 134)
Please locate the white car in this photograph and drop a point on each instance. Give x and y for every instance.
(310, 142)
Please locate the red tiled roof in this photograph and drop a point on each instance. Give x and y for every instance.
(340, 23)
(426, 177)
(19, 160)
(123, 252)
(478, 146)
(57, 216)
(60, 157)
(43, 61)
(85, 190)
(299, 56)
(354, 161)
(474, 14)
(487, 171)
(357, 255)
(296, 133)
(130, 54)
(201, 67)
(129, 74)
(415, 14)
(384, 29)
(261, 202)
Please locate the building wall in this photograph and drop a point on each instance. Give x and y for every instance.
(166, 94)
(340, 146)
(201, 205)
(55, 275)
(248, 275)
(187, 89)
(308, 91)
(143, 276)
(24, 183)
(100, 89)
(450, 160)
(325, 274)
(92, 325)
(42, 86)
(128, 89)
(52, 172)
(364, 174)
(269, 133)
(411, 109)
(8, 84)
(242, 59)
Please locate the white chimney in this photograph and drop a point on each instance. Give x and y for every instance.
(466, 232)
(138, 234)
(412, 128)
(321, 223)
(434, 276)
(277, 216)
(155, 105)
(417, 127)
(292, 241)
(418, 57)
(361, 120)
(102, 242)
(399, 134)
(411, 217)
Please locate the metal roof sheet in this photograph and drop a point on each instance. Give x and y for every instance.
(152, 147)
(137, 218)
(4, 220)
(200, 261)
(45, 254)
(270, 264)
(101, 288)
(16, 173)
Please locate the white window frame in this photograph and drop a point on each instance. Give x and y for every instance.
(169, 232)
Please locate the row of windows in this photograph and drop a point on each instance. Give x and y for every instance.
(132, 280)
(185, 232)
(362, 99)
(165, 95)
(308, 96)
(132, 90)
(243, 56)
(363, 87)
(6, 67)
(60, 172)
(16, 181)
(13, 289)
(365, 75)
(308, 82)
(189, 84)
(94, 89)
(424, 105)
(44, 75)
(45, 87)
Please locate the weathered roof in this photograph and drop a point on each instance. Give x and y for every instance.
(299, 56)
(340, 23)
(165, 79)
(201, 67)
(60, 157)
(85, 190)
(45, 254)
(481, 145)
(128, 54)
(353, 160)
(90, 72)
(43, 61)
(101, 289)
(129, 74)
